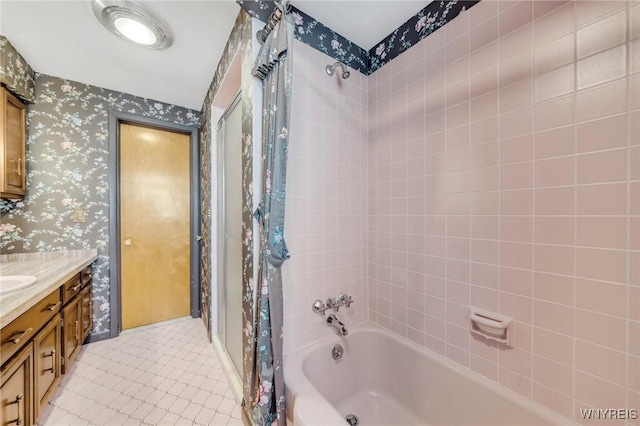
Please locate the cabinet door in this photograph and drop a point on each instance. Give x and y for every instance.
(46, 363)
(71, 332)
(13, 131)
(16, 390)
(86, 295)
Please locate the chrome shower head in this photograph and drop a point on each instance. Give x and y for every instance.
(345, 72)
(329, 69)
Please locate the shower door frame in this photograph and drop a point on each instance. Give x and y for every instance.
(221, 226)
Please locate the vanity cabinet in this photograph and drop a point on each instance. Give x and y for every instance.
(41, 345)
(16, 389)
(13, 146)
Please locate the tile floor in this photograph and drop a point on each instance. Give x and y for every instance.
(166, 375)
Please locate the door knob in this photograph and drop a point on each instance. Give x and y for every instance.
(127, 242)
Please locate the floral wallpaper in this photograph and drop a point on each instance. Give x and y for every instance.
(248, 288)
(314, 33)
(429, 19)
(67, 157)
(317, 35)
(15, 72)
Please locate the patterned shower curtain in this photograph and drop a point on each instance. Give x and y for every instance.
(273, 67)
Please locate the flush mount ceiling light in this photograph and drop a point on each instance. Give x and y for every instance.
(133, 22)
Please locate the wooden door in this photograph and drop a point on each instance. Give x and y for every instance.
(155, 225)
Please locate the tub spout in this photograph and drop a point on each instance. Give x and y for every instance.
(333, 320)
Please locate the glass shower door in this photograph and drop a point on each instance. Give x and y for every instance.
(230, 231)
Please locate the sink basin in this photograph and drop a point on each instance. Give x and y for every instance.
(10, 283)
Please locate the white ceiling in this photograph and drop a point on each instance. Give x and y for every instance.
(64, 39)
(364, 22)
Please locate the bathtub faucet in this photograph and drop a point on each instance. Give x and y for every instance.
(335, 322)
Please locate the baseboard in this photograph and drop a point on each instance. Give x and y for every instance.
(96, 337)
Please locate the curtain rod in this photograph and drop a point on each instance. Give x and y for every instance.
(274, 18)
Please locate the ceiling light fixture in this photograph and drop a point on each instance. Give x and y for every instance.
(132, 21)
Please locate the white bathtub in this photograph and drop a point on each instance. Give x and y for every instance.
(387, 380)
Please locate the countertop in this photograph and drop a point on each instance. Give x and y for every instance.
(52, 269)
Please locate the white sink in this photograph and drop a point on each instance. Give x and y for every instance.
(9, 283)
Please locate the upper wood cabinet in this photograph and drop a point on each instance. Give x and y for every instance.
(13, 146)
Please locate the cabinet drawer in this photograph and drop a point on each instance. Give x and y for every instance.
(46, 364)
(22, 329)
(70, 289)
(16, 404)
(86, 275)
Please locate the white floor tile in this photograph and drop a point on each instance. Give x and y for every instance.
(165, 375)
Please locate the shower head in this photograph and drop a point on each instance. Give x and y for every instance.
(331, 68)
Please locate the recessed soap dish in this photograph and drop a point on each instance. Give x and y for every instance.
(492, 326)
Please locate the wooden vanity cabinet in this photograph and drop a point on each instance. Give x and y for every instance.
(47, 364)
(13, 146)
(16, 389)
(40, 345)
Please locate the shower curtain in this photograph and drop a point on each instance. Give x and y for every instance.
(273, 67)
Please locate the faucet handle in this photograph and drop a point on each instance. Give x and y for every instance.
(344, 299)
(319, 307)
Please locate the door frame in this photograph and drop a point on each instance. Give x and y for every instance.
(115, 298)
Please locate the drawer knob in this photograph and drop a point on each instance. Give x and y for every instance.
(75, 288)
(18, 337)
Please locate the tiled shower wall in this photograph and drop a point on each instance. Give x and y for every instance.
(504, 156)
(326, 212)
